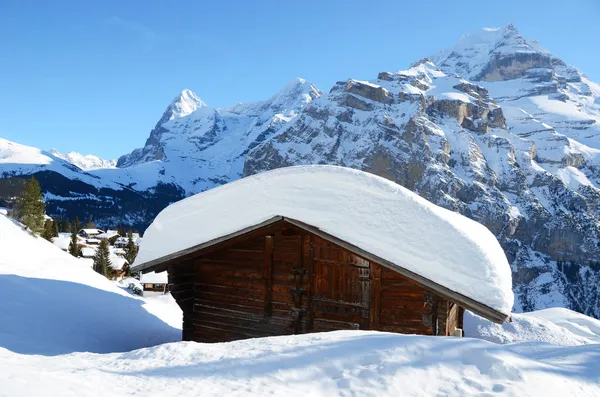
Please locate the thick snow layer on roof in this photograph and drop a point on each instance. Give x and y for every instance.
(117, 262)
(154, 278)
(365, 210)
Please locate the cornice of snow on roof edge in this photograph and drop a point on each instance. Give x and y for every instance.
(468, 303)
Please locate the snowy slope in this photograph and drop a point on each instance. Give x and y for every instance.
(53, 303)
(342, 363)
(17, 159)
(87, 162)
(557, 326)
(362, 209)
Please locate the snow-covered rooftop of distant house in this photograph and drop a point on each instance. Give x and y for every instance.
(92, 231)
(62, 242)
(92, 241)
(116, 251)
(88, 252)
(108, 234)
(154, 278)
(370, 212)
(117, 262)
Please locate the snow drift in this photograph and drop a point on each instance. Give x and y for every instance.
(341, 363)
(53, 303)
(365, 210)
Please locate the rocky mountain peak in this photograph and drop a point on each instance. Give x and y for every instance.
(184, 104)
(494, 54)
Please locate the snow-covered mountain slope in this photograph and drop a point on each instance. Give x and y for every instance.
(87, 162)
(494, 158)
(70, 191)
(206, 147)
(341, 363)
(53, 303)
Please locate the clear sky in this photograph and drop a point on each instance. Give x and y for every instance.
(95, 78)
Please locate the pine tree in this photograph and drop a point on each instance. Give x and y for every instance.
(131, 249)
(30, 209)
(76, 225)
(48, 233)
(65, 226)
(74, 248)
(55, 228)
(102, 263)
(90, 224)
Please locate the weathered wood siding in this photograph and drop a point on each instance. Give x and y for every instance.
(403, 306)
(229, 293)
(284, 280)
(181, 286)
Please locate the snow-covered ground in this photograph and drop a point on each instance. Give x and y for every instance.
(342, 363)
(52, 303)
(67, 331)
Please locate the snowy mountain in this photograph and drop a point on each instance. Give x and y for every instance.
(207, 146)
(496, 128)
(87, 162)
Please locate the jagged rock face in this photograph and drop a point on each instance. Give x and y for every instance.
(494, 147)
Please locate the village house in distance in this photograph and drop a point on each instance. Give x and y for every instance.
(319, 248)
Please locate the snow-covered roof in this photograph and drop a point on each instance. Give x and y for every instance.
(116, 251)
(367, 211)
(108, 234)
(154, 278)
(88, 252)
(117, 262)
(92, 231)
(62, 242)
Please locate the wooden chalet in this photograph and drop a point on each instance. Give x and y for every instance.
(283, 276)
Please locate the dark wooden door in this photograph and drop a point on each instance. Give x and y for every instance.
(288, 281)
(341, 288)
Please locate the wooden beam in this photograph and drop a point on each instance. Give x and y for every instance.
(268, 274)
(375, 295)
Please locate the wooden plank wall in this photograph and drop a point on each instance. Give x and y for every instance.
(402, 304)
(229, 293)
(284, 280)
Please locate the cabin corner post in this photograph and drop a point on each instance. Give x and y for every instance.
(375, 295)
(268, 274)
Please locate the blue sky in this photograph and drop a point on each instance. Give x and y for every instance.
(95, 78)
